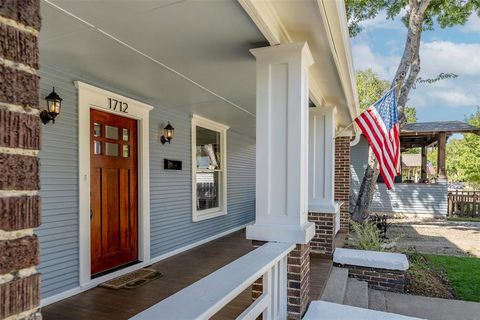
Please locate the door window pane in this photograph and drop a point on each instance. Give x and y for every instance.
(125, 134)
(207, 190)
(111, 132)
(208, 149)
(97, 147)
(126, 150)
(97, 129)
(112, 149)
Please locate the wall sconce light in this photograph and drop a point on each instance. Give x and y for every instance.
(167, 134)
(54, 104)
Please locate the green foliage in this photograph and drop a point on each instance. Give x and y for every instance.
(467, 219)
(462, 273)
(371, 88)
(446, 13)
(410, 114)
(441, 76)
(367, 236)
(413, 151)
(463, 156)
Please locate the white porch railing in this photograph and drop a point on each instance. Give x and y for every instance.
(209, 295)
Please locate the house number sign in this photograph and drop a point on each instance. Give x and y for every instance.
(117, 105)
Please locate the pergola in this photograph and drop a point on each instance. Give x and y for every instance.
(428, 134)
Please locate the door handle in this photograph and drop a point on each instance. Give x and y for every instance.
(91, 213)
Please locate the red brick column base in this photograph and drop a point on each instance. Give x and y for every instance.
(323, 241)
(298, 277)
(342, 179)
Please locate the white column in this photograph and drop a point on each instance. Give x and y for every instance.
(321, 186)
(282, 145)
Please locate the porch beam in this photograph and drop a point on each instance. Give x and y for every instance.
(282, 144)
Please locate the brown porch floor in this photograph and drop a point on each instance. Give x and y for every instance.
(178, 272)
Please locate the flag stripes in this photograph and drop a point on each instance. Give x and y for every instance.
(379, 124)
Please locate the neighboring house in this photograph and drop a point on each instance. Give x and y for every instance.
(234, 79)
(423, 198)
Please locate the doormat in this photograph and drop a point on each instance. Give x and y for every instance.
(133, 279)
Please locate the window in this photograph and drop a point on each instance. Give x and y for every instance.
(209, 169)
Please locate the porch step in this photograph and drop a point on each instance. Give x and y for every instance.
(336, 286)
(377, 300)
(356, 294)
(319, 310)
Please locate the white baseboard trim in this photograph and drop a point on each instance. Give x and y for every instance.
(71, 292)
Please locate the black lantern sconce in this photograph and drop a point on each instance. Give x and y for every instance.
(54, 104)
(167, 134)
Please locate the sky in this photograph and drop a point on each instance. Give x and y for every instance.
(452, 50)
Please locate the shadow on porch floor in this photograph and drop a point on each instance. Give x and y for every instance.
(178, 272)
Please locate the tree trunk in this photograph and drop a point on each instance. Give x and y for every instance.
(405, 78)
(359, 210)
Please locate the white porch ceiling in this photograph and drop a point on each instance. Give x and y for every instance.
(205, 43)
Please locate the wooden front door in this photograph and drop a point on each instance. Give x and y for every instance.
(113, 193)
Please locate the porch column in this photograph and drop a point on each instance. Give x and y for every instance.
(19, 146)
(442, 143)
(423, 175)
(322, 209)
(282, 162)
(343, 179)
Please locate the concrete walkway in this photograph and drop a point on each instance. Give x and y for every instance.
(429, 308)
(438, 237)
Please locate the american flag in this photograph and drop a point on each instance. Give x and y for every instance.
(379, 124)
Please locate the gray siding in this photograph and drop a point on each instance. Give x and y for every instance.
(405, 198)
(171, 196)
(59, 191)
(170, 191)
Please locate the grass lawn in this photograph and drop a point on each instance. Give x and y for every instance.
(463, 274)
(469, 219)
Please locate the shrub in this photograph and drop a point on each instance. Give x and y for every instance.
(381, 221)
(367, 236)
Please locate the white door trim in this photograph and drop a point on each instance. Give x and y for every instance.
(90, 97)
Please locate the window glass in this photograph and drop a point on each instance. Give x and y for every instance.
(207, 190)
(97, 147)
(126, 135)
(97, 130)
(112, 149)
(111, 132)
(208, 149)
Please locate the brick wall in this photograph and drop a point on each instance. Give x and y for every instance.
(323, 241)
(342, 179)
(19, 146)
(298, 281)
(380, 279)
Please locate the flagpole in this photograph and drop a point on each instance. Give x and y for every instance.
(351, 123)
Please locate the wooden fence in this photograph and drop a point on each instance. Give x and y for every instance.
(464, 203)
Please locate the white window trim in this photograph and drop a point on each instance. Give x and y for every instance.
(91, 97)
(222, 129)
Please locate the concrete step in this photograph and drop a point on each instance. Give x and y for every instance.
(356, 294)
(336, 285)
(376, 300)
(321, 310)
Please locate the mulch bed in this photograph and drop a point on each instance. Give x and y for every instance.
(424, 280)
